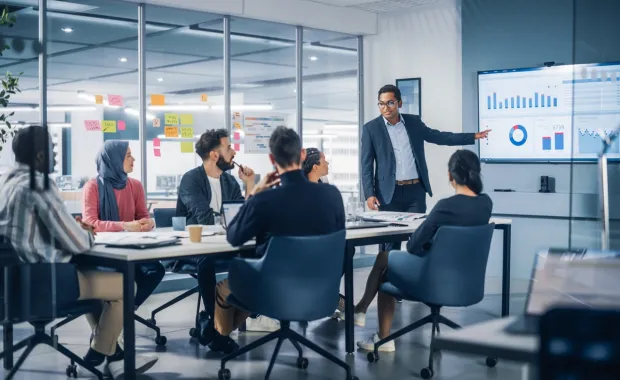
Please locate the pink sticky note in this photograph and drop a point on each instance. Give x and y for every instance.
(156, 142)
(157, 152)
(120, 125)
(115, 100)
(92, 125)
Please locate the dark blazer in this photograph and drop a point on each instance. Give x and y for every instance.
(379, 162)
(194, 200)
(296, 208)
(458, 210)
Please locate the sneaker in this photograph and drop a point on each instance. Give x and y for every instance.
(262, 324)
(359, 319)
(369, 344)
(339, 313)
(83, 373)
(223, 344)
(143, 364)
(207, 331)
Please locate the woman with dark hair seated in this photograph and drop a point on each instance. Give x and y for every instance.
(469, 207)
(315, 166)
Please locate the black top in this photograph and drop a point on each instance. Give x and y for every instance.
(458, 210)
(297, 207)
(194, 201)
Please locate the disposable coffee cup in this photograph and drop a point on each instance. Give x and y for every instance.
(195, 233)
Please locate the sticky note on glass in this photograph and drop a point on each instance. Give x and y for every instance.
(204, 97)
(157, 152)
(171, 119)
(171, 131)
(187, 147)
(121, 125)
(158, 100)
(187, 119)
(156, 122)
(237, 126)
(187, 132)
(98, 99)
(108, 126)
(156, 142)
(92, 125)
(115, 100)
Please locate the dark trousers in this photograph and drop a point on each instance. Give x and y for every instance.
(406, 198)
(148, 276)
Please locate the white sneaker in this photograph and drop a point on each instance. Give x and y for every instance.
(359, 319)
(262, 324)
(338, 315)
(143, 364)
(83, 373)
(369, 344)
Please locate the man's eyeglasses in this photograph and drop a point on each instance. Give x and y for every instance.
(390, 104)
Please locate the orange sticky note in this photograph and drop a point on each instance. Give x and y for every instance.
(98, 99)
(204, 98)
(156, 122)
(170, 131)
(237, 126)
(158, 100)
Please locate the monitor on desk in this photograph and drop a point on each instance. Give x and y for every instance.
(587, 278)
(230, 209)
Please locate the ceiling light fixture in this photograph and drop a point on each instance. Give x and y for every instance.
(314, 58)
(245, 107)
(123, 59)
(160, 79)
(180, 107)
(133, 112)
(67, 30)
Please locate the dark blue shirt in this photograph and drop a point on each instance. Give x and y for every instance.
(194, 201)
(297, 207)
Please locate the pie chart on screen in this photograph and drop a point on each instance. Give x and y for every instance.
(518, 135)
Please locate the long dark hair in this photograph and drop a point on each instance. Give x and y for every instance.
(464, 168)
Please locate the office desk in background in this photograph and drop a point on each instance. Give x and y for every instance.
(216, 247)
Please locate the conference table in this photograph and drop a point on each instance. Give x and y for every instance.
(216, 247)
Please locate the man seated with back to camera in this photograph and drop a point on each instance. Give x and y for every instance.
(201, 193)
(294, 207)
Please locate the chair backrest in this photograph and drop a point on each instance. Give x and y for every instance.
(303, 275)
(455, 267)
(579, 344)
(163, 216)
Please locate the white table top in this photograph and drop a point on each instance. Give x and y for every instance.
(490, 339)
(218, 244)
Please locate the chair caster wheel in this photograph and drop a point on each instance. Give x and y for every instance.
(161, 341)
(152, 321)
(491, 362)
(72, 371)
(372, 357)
(302, 363)
(223, 374)
(193, 332)
(426, 373)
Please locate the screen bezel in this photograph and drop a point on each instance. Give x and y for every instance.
(570, 160)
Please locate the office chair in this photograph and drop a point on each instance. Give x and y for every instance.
(22, 301)
(297, 280)
(160, 340)
(163, 217)
(579, 344)
(451, 273)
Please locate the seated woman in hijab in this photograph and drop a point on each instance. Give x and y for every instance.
(315, 166)
(113, 202)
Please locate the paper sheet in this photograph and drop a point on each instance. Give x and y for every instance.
(388, 216)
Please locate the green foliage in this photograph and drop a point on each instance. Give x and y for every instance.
(10, 84)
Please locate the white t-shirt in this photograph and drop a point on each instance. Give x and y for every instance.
(216, 194)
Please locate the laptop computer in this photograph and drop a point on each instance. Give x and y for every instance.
(230, 209)
(361, 224)
(577, 278)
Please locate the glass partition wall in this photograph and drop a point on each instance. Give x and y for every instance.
(196, 71)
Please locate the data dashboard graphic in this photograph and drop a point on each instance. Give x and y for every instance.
(557, 113)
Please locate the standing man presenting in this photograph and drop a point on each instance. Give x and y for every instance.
(394, 171)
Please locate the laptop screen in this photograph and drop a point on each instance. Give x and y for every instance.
(229, 210)
(588, 279)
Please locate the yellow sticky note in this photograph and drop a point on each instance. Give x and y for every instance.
(108, 126)
(171, 119)
(187, 147)
(237, 125)
(204, 98)
(98, 99)
(187, 119)
(158, 100)
(187, 132)
(171, 131)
